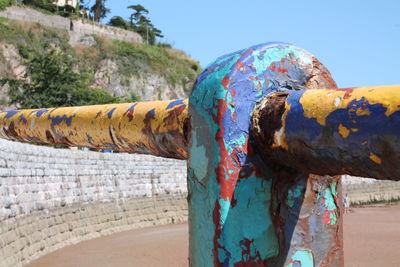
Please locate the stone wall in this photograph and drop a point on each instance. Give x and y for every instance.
(50, 198)
(364, 191)
(78, 29)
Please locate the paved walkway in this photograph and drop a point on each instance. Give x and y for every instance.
(371, 238)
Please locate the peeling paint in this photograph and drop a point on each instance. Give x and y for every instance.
(328, 205)
(319, 104)
(237, 186)
(328, 140)
(155, 128)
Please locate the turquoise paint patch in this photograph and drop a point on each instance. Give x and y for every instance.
(201, 206)
(224, 210)
(303, 257)
(275, 54)
(329, 204)
(249, 219)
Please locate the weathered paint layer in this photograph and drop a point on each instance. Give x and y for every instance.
(339, 131)
(226, 177)
(158, 128)
(301, 203)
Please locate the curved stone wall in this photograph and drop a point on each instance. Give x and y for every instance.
(50, 198)
(364, 190)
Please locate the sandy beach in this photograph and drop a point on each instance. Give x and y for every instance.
(371, 238)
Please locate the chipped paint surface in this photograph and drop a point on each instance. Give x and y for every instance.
(359, 136)
(328, 206)
(302, 258)
(234, 184)
(155, 128)
(319, 104)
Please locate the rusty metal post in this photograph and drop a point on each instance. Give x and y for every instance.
(244, 210)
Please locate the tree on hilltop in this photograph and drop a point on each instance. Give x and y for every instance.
(99, 10)
(119, 22)
(141, 24)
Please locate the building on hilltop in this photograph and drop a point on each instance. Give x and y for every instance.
(72, 3)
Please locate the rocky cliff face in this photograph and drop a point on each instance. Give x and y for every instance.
(123, 69)
(147, 84)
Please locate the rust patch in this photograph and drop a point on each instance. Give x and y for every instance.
(49, 137)
(266, 121)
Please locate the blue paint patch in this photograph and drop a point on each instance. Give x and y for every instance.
(367, 139)
(152, 113)
(59, 119)
(132, 107)
(22, 118)
(110, 113)
(40, 112)
(175, 103)
(10, 113)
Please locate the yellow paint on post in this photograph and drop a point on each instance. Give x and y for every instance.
(363, 112)
(155, 127)
(375, 158)
(343, 131)
(319, 104)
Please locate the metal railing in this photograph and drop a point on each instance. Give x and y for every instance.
(264, 153)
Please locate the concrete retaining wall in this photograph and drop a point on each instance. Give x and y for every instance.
(77, 28)
(362, 190)
(50, 198)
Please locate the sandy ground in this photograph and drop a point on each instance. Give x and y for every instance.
(371, 238)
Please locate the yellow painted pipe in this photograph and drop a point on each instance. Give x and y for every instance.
(352, 131)
(156, 127)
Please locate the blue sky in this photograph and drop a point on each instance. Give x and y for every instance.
(359, 41)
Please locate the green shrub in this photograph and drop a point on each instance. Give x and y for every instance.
(42, 4)
(54, 83)
(119, 22)
(4, 4)
(91, 96)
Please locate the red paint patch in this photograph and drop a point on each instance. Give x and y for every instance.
(240, 66)
(129, 114)
(247, 259)
(225, 82)
(348, 91)
(272, 67)
(282, 70)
